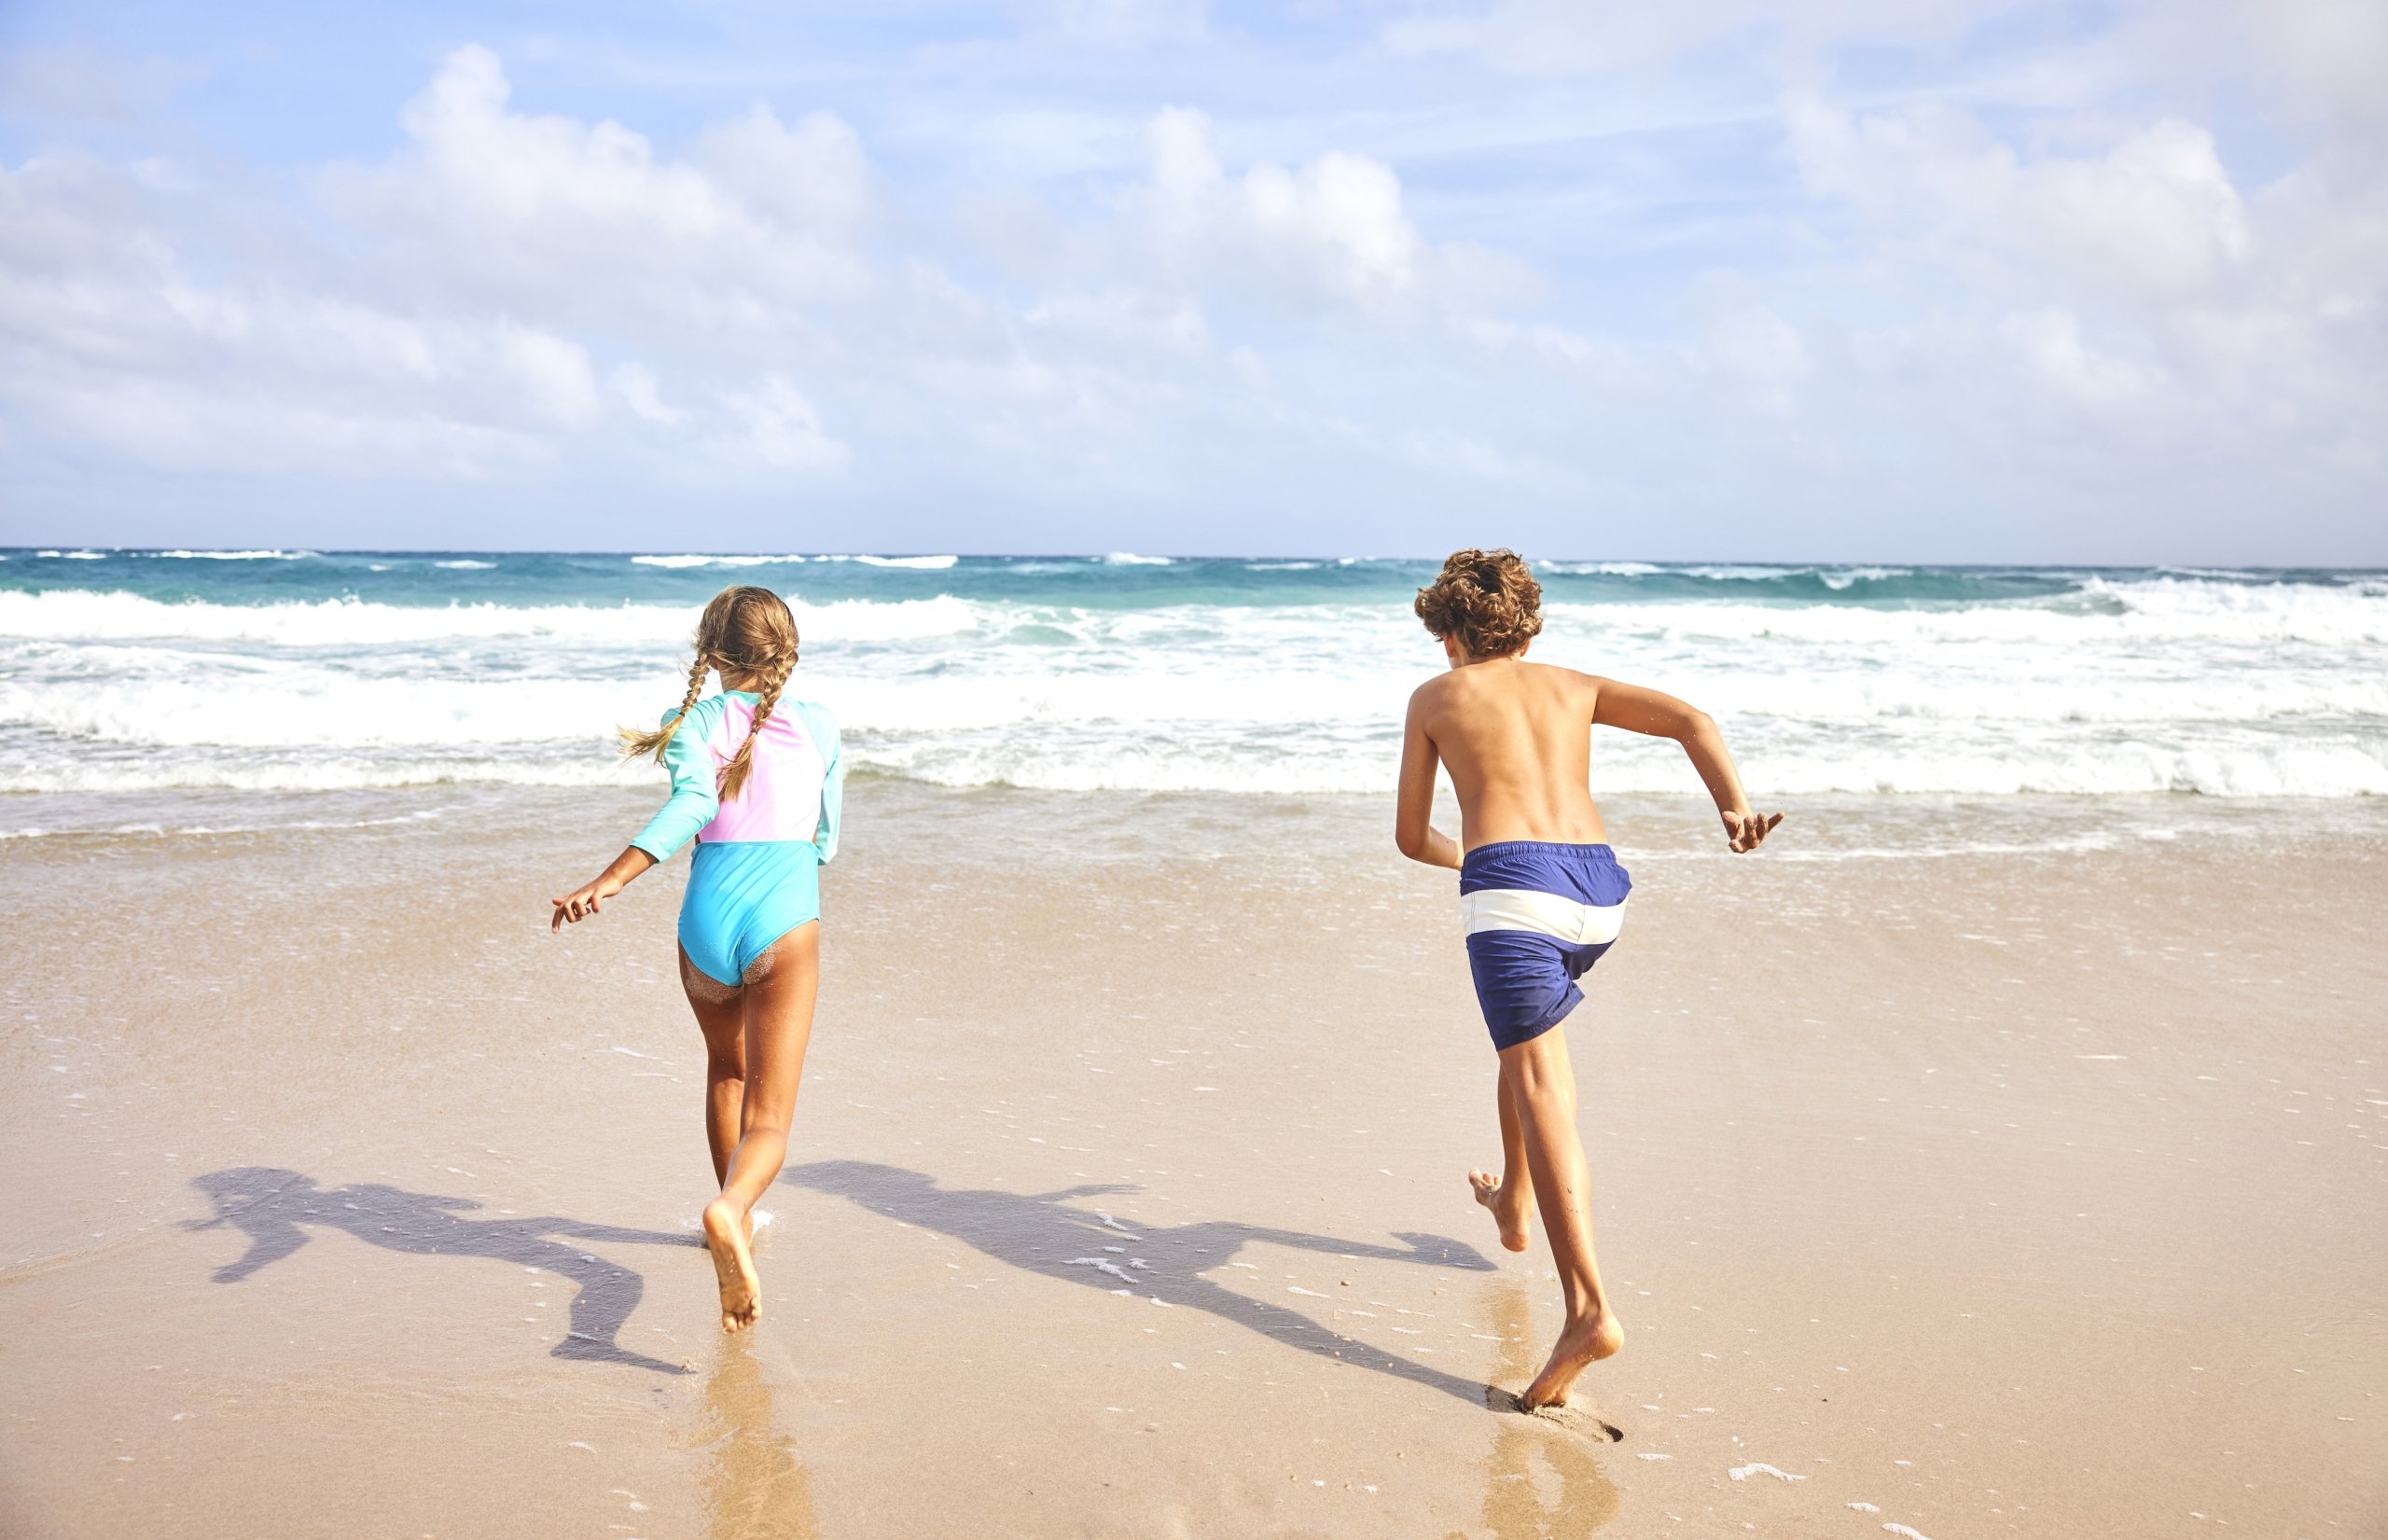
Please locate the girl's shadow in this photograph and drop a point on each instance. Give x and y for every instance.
(1040, 1233)
(271, 1204)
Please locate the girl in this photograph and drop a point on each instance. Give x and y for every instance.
(758, 781)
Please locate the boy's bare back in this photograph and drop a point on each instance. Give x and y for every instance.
(1516, 737)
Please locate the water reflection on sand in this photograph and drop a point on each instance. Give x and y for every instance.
(1541, 1481)
(755, 1488)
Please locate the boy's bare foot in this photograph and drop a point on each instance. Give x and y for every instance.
(1509, 1214)
(733, 1264)
(1579, 1417)
(1583, 1343)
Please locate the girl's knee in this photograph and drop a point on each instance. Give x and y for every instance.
(766, 1121)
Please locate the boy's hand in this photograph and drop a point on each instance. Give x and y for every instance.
(1745, 830)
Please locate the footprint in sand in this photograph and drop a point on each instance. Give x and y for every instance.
(1572, 1418)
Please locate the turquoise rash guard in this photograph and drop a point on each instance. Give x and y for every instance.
(755, 874)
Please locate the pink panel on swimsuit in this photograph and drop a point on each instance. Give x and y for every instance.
(782, 798)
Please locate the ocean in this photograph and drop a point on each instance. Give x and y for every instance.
(126, 673)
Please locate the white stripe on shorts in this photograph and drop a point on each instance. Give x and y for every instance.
(1544, 913)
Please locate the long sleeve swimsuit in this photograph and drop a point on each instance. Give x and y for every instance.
(755, 874)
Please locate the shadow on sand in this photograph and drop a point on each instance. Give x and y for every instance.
(271, 1204)
(1038, 1232)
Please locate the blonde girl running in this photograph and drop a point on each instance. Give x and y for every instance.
(757, 781)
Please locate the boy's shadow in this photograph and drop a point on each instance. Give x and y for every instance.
(272, 1203)
(1039, 1233)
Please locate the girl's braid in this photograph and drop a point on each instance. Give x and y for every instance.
(653, 741)
(734, 774)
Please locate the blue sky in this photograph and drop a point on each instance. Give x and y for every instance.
(1954, 280)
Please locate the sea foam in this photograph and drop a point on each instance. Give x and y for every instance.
(1081, 674)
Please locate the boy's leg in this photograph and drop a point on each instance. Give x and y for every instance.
(1541, 1084)
(1512, 1196)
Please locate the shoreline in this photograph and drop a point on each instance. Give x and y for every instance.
(1913, 1147)
(224, 810)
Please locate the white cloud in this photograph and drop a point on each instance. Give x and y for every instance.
(2050, 341)
(811, 175)
(1123, 320)
(782, 429)
(1331, 231)
(2221, 318)
(453, 345)
(2155, 217)
(586, 220)
(636, 385)
(109, 330)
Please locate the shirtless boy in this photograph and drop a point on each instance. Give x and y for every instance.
(1541, 894)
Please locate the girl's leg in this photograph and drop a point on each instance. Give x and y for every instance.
(1510, 1198)
(722, 1017)
(1541, 1083)
(777, 998)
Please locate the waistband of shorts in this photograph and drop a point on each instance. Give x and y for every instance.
(1592, 853)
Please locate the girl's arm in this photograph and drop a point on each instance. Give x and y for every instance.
(690, 806)
(823, 726)
(1413, 830)
(1656, 715)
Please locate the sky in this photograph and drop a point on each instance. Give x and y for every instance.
(1898, 280)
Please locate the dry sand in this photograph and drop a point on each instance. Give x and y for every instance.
(2005, 1170)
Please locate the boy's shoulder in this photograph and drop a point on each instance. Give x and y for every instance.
(1457, 682)
(1431, 692)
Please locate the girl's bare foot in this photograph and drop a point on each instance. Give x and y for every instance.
(1507, 1211)
(733, 1264)
(1581, 1344)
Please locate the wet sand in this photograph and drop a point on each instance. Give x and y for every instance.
(2012, 1169)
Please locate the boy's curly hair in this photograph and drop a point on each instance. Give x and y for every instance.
(1487, 599)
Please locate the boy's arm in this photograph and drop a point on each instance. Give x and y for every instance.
(1657, 715)
(1413, 830)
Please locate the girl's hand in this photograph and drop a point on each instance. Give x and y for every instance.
(582, 901)
(1744, 831)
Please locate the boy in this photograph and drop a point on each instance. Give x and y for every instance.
(1541, 894)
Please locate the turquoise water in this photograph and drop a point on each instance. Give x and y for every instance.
(266, 671)
(1111, 582)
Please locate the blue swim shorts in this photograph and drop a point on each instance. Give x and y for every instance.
(1537, 915)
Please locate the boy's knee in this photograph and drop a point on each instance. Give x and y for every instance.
(1538, 1064)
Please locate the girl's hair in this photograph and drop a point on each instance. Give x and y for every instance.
(1487, 599)
(744, 631)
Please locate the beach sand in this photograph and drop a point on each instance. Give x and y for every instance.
(1999, 1169)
